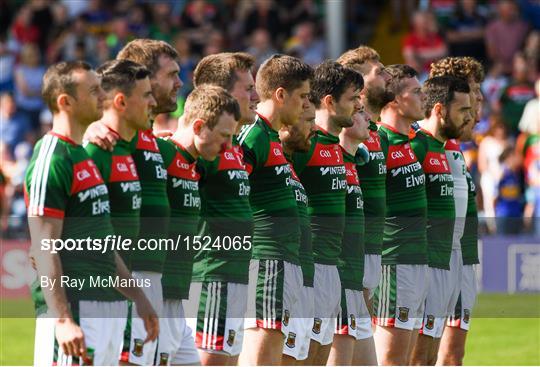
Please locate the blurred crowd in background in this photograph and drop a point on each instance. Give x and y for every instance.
(504, 35)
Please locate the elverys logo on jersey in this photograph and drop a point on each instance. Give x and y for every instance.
(437, 169)
(299, 191)
(329, 159)
(147, 144)
(373, 143)
(353, 184)
(88, 185)
(401, 160)
(184, 176)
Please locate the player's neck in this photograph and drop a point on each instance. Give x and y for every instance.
(324, 121)
(433, 126)
(114, 122)
(350, 145)
(373, 113)
(186, 139)
(66, 126)
(391, 118)
(268, 111)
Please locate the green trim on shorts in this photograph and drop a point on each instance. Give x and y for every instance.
(384, 299)
(269, 296)
(212, 293)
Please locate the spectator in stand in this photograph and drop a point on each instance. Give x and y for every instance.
(119, 35)
(187, 63)
(423, 45)
(264, 14)
(76, 37)
(509, 199)
(14, 125)
(28, 80)
(298, 11)
(7, 63)
(465, 33)
(162, 27)
(23, 30)
(505, 35)
(306, 45)
(398, 8)
(42, 18)
(199, 19)
(260, 46)
(138, 25)
(532, 54)
(531, 12)
(97, 16)
(530, 119)
(515, 96)
(493, 85)
(489, 150)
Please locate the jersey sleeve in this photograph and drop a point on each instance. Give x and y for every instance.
(167, 151)
(102, 159)
(255, 148)
(418, 145)
(48, 185)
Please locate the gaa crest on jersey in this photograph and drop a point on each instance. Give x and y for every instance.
(137, 350)
(353, 321)
(317, 325)
(466, 315)
(231, 337)
(286, 317)
(403, 314)
(291, 340)
(163, 359)
(430, 322)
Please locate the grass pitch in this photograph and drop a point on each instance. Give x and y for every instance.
(505, 330)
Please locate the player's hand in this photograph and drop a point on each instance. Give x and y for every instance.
(98, 133)
(70, 337)
(148, 315)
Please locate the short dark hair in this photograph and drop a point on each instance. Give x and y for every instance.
(398, 73)
(147, 53)
(333, 79)
(220, 69)
(121, 75)
(59, 79)
(209, 102)
(442, 89)
(281, 71)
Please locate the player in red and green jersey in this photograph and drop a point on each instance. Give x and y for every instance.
(403, 286)
(67, 201)
(226, 216)
(335, 94)
(452, 346)
(354, 335)
(372, 174)
(447, 112)
(127, 106)
(297, 138)
(205, 130)
(283, 85)
(160, 59)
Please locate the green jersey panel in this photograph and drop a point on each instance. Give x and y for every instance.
(155, 209)
(404, 240)
(440, 198)
(351, 259)
(372, 176)
(322, 172)
(185, 202)
(276, 233)
(120, 175)
(63, 182)
(226, 214)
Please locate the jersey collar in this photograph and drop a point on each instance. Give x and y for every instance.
(63, 137)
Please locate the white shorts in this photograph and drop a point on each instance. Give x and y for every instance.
(273, 291)
(102, 324)
(443, 292)
(372, 273)
(176, 345)
(215, 312)
(299, 336)
(134, 351)
(466, 300)
(327, 295)
(399, 298)
(354, 318)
